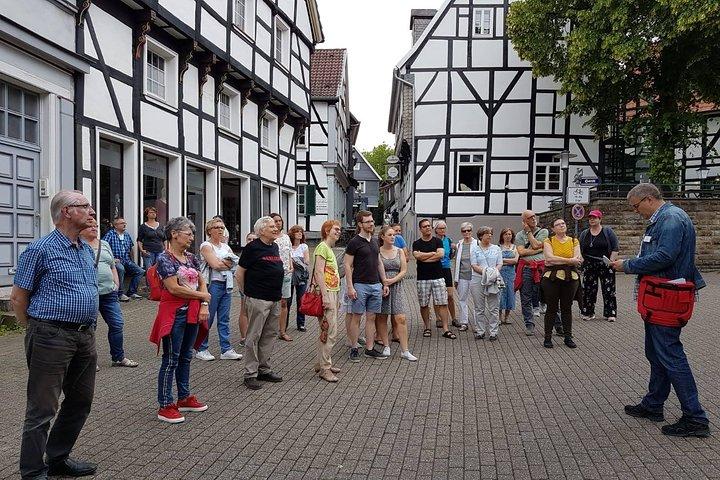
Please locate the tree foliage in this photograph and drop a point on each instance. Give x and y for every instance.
(662, 54)
(378, 156)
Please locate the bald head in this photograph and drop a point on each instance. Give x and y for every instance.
(527, 214)
(529, 219)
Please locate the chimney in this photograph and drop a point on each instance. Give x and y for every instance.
(419, 20)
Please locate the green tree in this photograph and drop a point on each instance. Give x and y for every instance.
(662, 54)
(377, 157)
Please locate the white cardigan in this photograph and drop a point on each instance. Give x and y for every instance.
(474, 246)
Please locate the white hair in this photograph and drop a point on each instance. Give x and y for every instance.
(261, 223)
(466, 225)
(178, 224)
(440, 223)
(61, 200)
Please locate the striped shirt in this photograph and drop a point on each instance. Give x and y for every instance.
(61, 279)
(121, 247)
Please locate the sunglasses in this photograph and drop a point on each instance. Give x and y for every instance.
(466, 231)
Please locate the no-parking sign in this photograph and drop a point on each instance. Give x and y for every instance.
(578, 211)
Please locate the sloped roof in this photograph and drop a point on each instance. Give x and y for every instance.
(327, 67)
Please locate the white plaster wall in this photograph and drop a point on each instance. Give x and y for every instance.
(88, 44)
(432, 55)
(514, 60)
(280, 81)
(158, 124)
(511, 147)
(460, 90)
(468, 119)
(303, 19)
(208, 96)
(98, 104)
(190, 87)
(190, 124)
(241, 50)
(220, 6)
(517, 202)
(541, 203)
(464, 204)
(264, 13)
(521, 90)
(250, 118)
(228, 152)
(428, 203)
(473, 143)
(460, 53)
(518, 181)
(426, 119)
(268, 167)
(123, 94)
(512, 118)
(432, 178)
(503, 165)
(213, 30)
(262, 68)
(487, 53)
(115, 39)
(43, 18)
(446, 27)
(438, 88)
(298, 96)
(184, 10)
(288, 6)
(208, 137)
(250, 156)
(480, 82)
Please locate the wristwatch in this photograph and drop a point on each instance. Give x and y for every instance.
(204, 304)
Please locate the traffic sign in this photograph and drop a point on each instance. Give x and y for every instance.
(578, 195)
(589, 181)
(578, 211)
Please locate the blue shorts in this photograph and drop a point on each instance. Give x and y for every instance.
(369, 298)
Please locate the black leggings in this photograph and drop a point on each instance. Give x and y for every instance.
(562, 292)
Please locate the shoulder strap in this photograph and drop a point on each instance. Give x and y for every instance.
(97, 255)
(584, 234)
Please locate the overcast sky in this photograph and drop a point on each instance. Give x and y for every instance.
(376, 34)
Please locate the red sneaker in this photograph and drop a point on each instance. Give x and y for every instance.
(191, 404)
(170, 414)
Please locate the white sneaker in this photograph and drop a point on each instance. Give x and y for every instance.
(386, 352)
(408, 356)
(587, 317)
(543, 308)
(536, 312)
(230, 355)
(205, 356)
(611, 319)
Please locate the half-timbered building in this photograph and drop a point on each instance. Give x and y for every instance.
(325, 178)
(476, 132)
(193, 107)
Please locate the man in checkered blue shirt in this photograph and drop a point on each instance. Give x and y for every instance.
(122, 244)
(56, 295)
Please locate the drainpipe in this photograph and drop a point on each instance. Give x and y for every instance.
(411, 210)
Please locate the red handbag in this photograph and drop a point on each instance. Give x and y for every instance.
(665, 303)
(311, 302)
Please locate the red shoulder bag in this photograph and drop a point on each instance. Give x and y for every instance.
(662, 302)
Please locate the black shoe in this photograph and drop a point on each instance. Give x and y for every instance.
(686, 428)
(302, 328)
(374, 354)
(570, 343)
(493, 338)
(456, 324)
(559, 331)
(252, 383)
(641, 412)
(548, 343)
(71, 468)
(269, 377)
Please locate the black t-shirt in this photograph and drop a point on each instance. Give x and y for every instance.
(265, 272)
(425, 270)
(152, 238)
(597, 246)
(365, 261)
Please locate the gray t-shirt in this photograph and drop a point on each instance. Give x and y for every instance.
(465, 268)
(521, 240)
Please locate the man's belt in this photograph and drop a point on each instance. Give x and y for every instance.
(74, 326)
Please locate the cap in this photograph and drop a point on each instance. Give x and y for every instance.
(595, 213)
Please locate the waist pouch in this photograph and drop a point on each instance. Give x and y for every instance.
(663, 303)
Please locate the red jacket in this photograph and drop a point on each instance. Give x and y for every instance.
(169, 304)
(537, 267)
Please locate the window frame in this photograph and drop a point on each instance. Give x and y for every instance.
(247, 28)
(171, 73)
(545, 163)
(233, 110)
(300, 203)
(282, 32)
(459, 164)
(482, 11)
(271, 145)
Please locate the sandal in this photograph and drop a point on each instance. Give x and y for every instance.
(396, 340)
(286, 337)
(427, 332)
(463, 328)
(449, 334)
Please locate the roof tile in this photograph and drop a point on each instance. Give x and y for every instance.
(326, 71)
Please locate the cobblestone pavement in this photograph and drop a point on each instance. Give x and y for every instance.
(467, 409)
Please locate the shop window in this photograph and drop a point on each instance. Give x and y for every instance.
(266, 200)
(155, 185)
(470, 172)
(196, 202)
(111, 184)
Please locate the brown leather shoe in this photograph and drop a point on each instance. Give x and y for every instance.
(328, 376)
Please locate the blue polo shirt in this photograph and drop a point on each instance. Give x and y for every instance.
(447, 246)
(61, 279)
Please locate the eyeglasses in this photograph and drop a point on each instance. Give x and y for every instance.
(84, 206)
(466, 231)
(636, 205)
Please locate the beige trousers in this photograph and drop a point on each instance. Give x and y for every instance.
(325, 348)
(262, 330)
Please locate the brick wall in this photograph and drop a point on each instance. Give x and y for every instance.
(629, 226)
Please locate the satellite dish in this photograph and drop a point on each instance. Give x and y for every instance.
(392, 159)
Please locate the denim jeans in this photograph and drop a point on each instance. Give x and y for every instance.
(299, 291)
(669, 366)
(177, 353)
(135, 272)
(220, 307)
(111, 313)
(59, 361)
(529, 296)
(150, 259)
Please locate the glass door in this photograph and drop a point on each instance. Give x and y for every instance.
(196, 203)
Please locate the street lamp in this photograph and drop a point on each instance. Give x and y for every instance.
(564, 158)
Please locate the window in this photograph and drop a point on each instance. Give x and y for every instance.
(155, 176)
(282, 42)
(240, 15)
(195, 200)
(483, 25)
(19, 114)
(302, 140)
(361, 186)
(161, 67)
(470, 172)
(547, 172)
(243, 16)
(112, 184)
(265, 127)
(228, 110)
(224, 118)
(301, 199)
(156, 74)
(268, 132)
(267, 200)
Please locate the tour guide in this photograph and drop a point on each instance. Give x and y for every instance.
(667, 250)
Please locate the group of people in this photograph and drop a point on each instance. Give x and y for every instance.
(60, 287)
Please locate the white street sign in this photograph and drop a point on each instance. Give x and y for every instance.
(579, 195)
